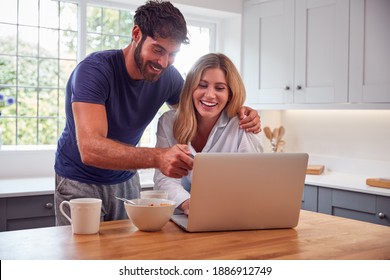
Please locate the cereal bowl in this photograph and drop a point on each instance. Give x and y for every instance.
(150, 214)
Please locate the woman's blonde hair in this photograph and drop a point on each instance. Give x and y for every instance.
(185, 126)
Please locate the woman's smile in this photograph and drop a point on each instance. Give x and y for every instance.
(208, 104)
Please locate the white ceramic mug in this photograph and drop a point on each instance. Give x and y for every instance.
(154, 194)
(84, 214)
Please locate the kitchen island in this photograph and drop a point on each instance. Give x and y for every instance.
(317, 236)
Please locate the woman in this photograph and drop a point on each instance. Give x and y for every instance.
(206, 119)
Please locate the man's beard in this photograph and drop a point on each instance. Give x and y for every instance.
(143, 66)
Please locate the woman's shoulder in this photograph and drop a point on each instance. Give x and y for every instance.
(168, 116)
(250, 142)
(230, 122)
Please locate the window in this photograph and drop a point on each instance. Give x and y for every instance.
(39, 48)
(38, 43)
(107, 28)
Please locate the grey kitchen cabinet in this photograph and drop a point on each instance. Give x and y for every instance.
(369, 51)
(27, 212)
(355, 205)
(310, 198)
(296, 52)
(348, 204)
(316, 53)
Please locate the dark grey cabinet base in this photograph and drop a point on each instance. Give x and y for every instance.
(348, 204)
(26, 212)
(310, 198)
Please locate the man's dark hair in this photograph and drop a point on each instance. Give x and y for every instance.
(161, 19)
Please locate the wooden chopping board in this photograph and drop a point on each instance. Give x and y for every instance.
(378, 182)
(314, 169)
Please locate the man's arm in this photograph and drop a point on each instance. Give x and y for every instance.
(99, 151)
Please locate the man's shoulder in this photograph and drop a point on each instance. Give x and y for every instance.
(104, 54)
(102, 59)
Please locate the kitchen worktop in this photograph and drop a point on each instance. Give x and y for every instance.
(45, 185)
(317, 236)
(345, 181)
(349, 174)
(339, 173)
(26, 186)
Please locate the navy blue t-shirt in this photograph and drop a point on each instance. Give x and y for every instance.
(102, 78)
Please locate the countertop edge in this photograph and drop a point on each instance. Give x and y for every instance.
(34, 186)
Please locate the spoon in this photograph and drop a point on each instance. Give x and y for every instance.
(281, 132)
(126, 200)
(268, 133)
(275, 134)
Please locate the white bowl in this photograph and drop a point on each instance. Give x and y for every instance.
(150, 214)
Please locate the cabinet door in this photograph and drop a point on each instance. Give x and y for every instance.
(321, 51)
(3, 214)
(310, 198)
(268, 51)
(369, 51)
(354, 205)
(30, 212)
(383, 210)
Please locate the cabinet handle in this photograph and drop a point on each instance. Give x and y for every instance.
(299, 87)
(381, 215)
(49, 205)
(287, 88)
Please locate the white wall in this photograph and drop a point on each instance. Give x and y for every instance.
(233, 6)
(353, 134)
(227, 17)
(229, 37)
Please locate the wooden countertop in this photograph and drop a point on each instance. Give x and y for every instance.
(317, 236)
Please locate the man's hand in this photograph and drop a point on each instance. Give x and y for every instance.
(176, 161)
(249, 119)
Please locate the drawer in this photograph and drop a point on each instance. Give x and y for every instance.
(354, 205)
(28, 223)
(30, 206)
(383, 210)
(354, 201)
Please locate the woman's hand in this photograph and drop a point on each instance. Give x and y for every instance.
(185, 206)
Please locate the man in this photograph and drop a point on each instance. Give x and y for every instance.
(111, 97)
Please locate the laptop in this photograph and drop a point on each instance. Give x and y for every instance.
(245, 191)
